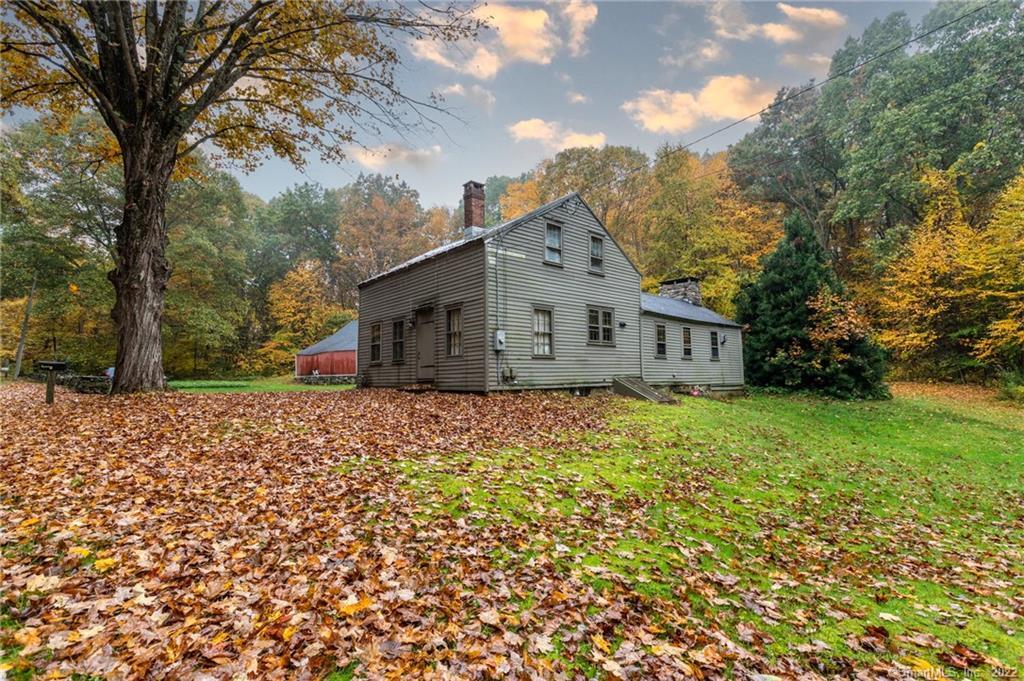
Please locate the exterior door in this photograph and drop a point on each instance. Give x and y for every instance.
(425, 346)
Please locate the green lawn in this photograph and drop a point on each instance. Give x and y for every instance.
(270, 384)
(802, 519)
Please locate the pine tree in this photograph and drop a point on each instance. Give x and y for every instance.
(802, 333)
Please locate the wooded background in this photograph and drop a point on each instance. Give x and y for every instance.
(909, 171)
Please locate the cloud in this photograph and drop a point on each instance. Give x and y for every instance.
(729, 20)
(475, 94)
(385, 155)
(482, 63)
(780, 33)
(815, 61)
(515, 33)
(580, 16)
(722, 97)
(525, 34)
(577, 98)
(553, 135)
(815, 16)
(693, 56)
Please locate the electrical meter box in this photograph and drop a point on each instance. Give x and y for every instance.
(499, 340)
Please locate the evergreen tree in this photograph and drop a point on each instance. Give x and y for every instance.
(802, 333)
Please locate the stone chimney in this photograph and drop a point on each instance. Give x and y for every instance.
(473, 201)
(683, 288)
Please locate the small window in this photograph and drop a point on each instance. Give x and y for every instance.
(687, 343)
(453, 332)
(596, 253)
(600, 326)
(375, 342)
(398, 341)
(660, 345)
(714, 345)
(553, 245)
(543, 335)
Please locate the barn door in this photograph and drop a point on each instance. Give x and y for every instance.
(425, 346)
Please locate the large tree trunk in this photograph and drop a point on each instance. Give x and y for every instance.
(142, 271)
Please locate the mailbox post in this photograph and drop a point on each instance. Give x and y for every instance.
(51, 367)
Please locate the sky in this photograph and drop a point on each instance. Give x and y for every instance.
(553, 75)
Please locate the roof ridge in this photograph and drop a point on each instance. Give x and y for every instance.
(485, 234)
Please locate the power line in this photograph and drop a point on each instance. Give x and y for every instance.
(810, 87)
(823, 133)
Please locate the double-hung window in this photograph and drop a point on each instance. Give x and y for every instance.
(375, 342)
(543, 332)
(687, 343)
(600, 326)
(553, 244)
(453, 332)
(596, 254)
(660, 344)
(714, 346)
(397, 341)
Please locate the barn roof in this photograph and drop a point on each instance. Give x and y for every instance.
(345, 338)
(481, 235)
(680, 309)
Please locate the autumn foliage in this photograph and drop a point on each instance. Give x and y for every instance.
(953, 298)
(802, 332)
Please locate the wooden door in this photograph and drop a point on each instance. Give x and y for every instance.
(425, 346)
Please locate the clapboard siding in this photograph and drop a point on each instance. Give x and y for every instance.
(519, 280)
(727, 372)
(448, 279)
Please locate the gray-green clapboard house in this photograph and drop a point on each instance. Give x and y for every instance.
(547, 300)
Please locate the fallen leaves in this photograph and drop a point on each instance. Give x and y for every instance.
(276, 536)
(352, 605)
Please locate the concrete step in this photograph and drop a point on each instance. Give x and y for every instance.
(636, 388)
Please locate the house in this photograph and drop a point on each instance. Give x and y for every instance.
(333, 356)
(547, 300)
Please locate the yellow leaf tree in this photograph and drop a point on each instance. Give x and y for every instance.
(268, 76)
(928, 292)
(1000, 272)
(303, 311)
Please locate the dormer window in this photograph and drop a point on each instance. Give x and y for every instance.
(553, 244)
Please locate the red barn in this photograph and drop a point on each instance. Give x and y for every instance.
(333, 356)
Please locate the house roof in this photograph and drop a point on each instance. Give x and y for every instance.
(345, 338)
(482, 235)
(680, 309)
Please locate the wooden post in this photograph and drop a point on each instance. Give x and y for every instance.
(51, 376)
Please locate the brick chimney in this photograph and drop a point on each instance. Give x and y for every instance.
(683, 288)
(473, 200)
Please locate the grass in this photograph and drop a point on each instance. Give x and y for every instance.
(268, 384)
(845, 514)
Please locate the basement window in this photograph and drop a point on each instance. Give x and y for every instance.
(553, 245)
(660, 344)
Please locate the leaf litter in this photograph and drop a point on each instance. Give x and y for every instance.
(289, 535)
